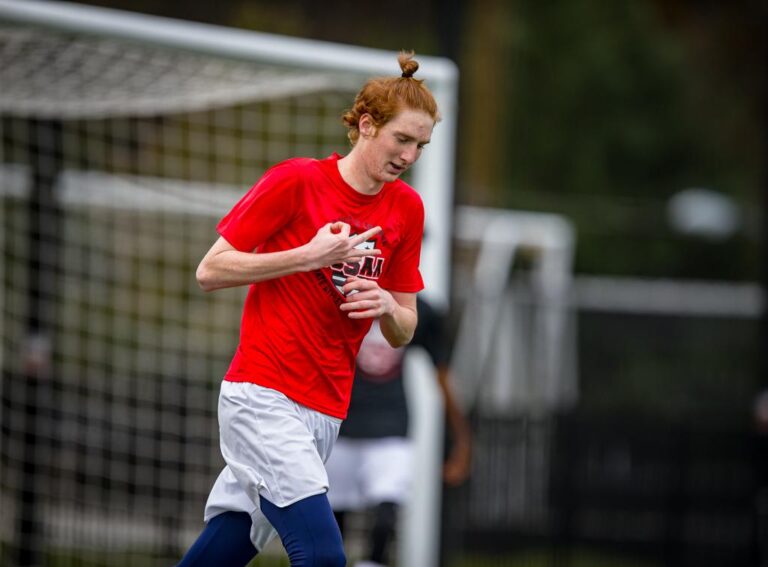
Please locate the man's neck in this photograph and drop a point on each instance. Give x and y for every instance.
(352, 171)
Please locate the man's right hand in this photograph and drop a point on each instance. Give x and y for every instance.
(333, 245)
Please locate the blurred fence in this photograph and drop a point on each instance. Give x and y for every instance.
(673, 494)
(616, 492)
(658, 464)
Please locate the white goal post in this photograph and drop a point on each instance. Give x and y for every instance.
(432, 175)
(202, 97)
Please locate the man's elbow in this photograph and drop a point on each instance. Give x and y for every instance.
(399, 327)
(205, 278)
(400, 339)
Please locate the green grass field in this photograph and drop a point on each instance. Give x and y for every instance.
(532, 558)
(544, 558)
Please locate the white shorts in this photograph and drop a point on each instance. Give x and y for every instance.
(273, 447)
(365, 472)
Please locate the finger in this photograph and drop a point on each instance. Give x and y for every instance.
(454, 474)
(357, 253)
(349, 291)
(357, 284)
(450, 477)
(353, 304)
(339, 227)
(360, 293)
(360, 238)
(369, 314)
(360, 301)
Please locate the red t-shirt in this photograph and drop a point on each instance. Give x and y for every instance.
(293, 336)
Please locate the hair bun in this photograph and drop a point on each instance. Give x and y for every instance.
(407, 63)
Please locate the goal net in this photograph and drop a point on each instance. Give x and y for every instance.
(515, 352)
(124, 139)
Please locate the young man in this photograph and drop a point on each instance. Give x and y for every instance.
(327, 247)
(370, 468)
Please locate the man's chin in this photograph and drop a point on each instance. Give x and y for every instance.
(392, 174)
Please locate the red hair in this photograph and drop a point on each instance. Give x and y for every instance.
(384, 97)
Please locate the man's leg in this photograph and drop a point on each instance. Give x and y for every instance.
(386, 472)
(225, 542)
(383, 531)
(308, 530)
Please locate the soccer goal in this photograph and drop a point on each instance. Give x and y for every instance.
(515, 345)
(124, 139)
(515, 352)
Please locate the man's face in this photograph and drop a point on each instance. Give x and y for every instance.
(394, 147)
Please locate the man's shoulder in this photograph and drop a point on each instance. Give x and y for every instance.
(291, 173)
(403, 190)
(295, 164)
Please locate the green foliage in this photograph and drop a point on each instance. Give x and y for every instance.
(700, 370)
(595, 100)
(607, 116)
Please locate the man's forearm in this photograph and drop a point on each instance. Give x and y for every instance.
(398, 327)
(232, 268)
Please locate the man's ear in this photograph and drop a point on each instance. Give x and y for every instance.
(366, 126)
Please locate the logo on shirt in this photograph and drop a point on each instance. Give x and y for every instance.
(368, 267)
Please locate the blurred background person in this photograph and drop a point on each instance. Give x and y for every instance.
(371, 465)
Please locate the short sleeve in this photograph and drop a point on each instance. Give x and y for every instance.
(268, 206)
(404, 275)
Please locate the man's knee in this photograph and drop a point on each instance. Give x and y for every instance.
(308, 530)
(225, 540)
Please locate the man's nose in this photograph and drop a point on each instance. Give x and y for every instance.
(410, 154)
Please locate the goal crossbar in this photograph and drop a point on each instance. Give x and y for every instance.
(217, 73)
(214, 39)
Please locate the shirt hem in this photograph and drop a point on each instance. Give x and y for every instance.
(293, 500)
(298, 399)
